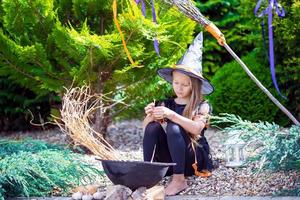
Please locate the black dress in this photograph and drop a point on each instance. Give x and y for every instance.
(164, 150)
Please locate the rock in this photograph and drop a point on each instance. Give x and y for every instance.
(87, 197)
(99, 195)
(117, 192)
(91, 189)
(139, 194)
(156, 193)
(86, 189)
(77, 195)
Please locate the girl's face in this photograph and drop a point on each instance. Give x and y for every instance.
(182, 85)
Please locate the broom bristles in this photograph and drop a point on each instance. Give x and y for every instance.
(190, 10)
(77, 106)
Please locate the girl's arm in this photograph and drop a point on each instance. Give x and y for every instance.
(149, 114)
(149, 118)
(194, 126)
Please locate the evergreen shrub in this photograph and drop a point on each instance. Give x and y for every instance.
(236, 93)
(36, 168)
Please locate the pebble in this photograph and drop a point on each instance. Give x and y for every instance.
(99, 195)
(87, 197)
(77, 195)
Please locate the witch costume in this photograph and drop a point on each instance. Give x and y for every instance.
(169, 142)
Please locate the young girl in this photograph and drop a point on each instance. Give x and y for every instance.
(174, 128)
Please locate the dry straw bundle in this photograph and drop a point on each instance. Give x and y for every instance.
(190, 10)
(78, 104)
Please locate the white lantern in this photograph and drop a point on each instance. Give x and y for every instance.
(235, 153)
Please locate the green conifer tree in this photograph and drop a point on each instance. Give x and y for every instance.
(46, 45)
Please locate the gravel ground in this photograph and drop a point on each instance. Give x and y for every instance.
(126, 138)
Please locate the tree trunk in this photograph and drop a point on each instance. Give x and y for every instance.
(102, 119)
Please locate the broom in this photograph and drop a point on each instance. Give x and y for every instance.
(189, 9)
(77, 106)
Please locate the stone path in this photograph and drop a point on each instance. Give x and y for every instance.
(230, 198)
(182, 197)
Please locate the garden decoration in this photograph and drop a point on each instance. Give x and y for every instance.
(188, 8)
(234, 146)
(77, 106)
(155, 42)
(121, 33)
(273, 4)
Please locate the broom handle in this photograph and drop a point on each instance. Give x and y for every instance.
(258, 83)
(216, 33)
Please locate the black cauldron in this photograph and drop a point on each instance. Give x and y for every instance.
(135, 174)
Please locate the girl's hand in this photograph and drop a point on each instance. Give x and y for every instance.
(161, 112)
(149, 108)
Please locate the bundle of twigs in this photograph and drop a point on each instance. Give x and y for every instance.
(191, 11)
(78, 104)
(188, 8)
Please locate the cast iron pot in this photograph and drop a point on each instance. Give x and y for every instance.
(135, 174)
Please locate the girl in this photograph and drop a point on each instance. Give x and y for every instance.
(174, 128)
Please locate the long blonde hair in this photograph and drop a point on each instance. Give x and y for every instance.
(195, 98)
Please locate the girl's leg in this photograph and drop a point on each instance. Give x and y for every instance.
(153, 135)
(177, 147)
